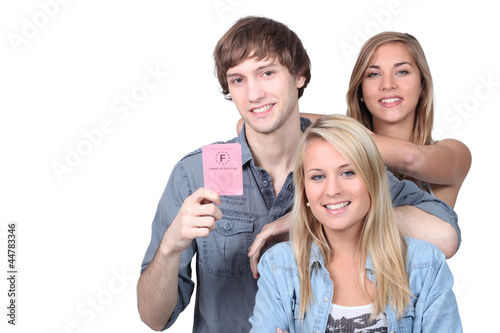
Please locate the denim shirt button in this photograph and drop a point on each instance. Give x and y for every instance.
(325, 299)
(227, 226)
(265, 183)
(290, 187)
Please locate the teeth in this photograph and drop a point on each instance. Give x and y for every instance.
(262, 109)
(338, 206)
(390, 100)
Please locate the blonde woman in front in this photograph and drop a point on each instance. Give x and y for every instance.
(346, 267)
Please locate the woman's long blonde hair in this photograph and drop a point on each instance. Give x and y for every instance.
(380, 238)
(424, 116)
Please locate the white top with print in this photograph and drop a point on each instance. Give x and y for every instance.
(355, 319)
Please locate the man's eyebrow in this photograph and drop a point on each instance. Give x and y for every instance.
(258, 69)
(270, 65)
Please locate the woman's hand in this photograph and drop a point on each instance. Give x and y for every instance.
(274, 232)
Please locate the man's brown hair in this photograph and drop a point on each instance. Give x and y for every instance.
(260, 38)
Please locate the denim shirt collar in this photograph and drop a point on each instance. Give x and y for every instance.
(316, 256)
(246, 154)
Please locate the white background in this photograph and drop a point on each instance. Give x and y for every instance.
(67, 66)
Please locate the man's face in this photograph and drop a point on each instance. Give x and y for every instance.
(264, 92)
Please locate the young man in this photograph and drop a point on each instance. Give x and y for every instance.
(263, 67)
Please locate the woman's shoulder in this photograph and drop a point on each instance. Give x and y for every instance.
(278, 251)
(422, 254)
(279, 255)
(428, 271)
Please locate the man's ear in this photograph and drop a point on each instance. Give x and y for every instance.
(300, 81)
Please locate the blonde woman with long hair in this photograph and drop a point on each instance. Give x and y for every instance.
(346, 267)
(391, 92)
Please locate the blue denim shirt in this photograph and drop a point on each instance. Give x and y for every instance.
(226, 289)
(432, 309)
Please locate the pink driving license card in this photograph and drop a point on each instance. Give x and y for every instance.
(222, 168)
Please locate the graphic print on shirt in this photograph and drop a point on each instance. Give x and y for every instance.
(359, 324)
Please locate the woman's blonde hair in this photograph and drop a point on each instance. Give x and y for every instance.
(380, 238)
(424, 116)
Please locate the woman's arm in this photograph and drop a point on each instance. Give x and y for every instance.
(438, 310)
(274, 232)
(446, 162)
(269, 312)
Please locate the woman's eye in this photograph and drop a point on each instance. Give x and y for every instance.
(348, 173)
(317, 177)
(404, 72)
(373, 74)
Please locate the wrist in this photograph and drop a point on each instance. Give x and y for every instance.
(168, 247)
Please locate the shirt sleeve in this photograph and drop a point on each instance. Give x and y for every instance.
(407, 193)
(269, 312)
(438, 310)
(175, 192)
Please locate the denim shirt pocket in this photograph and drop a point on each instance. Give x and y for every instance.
(225, 250)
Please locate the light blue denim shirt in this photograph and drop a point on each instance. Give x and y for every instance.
(432, 309)
(226, 288)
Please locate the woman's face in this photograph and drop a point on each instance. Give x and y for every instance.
(391, 86)
(336, 194)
